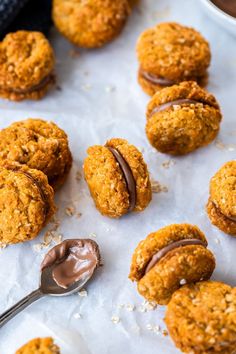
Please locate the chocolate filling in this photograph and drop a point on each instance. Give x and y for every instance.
(156, 80)
(37, 184)
(72, 260)
(46, 80)
(161, 253)
(128, 175)
(230, 218)
(228, 6)
(167, 105)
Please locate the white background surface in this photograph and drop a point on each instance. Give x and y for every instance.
(91, 116)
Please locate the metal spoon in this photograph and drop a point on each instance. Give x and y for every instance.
(47, 287)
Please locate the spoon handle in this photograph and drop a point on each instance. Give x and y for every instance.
(19, 306)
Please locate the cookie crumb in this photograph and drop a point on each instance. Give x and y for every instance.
(70, 211)
(157, 187)
(164, 332)
(115, 319)
(83, 293)
(78, 215)
(77, 315)
(78, 176)
(167, 164)
(92, 234)
(3, 245)
(220, 145)
(73, 53)
(130, 307)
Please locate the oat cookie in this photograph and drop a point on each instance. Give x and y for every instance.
(170, 53)
(118, 178)
(39, 144)
(26, 66)
(182, 118)
(26, 203)
(39, 346)
(90, 23)
(201, 318)
(169, 258)
(221, 207)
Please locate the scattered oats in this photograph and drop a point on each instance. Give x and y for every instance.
(183, 282)
(83, 293)
(115, 319)
(147, 306)
(86, 87)
(110, 88)
(164, 332)
(149, 327)
(73, 53)
(92, 234)
(57, 238)
(156, 329)
(157, 187)
(142, 308)
(77, 315)
(70, 211)
(220, 145)
(78, 176)
(38, 247)
(47, 238)
(120, 306)
(130, 307)
(167, 164)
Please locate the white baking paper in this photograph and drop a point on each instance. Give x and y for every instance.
(100, 99)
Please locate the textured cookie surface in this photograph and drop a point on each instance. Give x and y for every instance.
(106, 180)
(221, 206)
(184, 127)
(90, 23)
(26, 65)
(39, 346)
(185, 264)
(26, 203)
(173, 52)
(39, 144)
(201, 318)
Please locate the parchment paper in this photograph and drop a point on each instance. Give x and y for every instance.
(100, 99)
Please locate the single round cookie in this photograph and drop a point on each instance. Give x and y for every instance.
(169, 258)
(170, 53)
(118, 178)
(182, 118)
(39, 346)
(26, 203)
(26, 66)
(90, 23)
(39, 144)
(201, 318)
(221, 205)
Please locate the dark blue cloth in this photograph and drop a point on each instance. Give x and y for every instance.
(32, 15)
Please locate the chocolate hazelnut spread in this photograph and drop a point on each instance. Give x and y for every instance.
(156, 79)
(72, 260)
(45, 81)
(228, 6)
(128, 175)
(161, 253)
(231, 218)
(167, 105)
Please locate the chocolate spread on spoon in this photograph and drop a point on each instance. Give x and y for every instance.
(228, 6)
(167, 105)
(72, 260)
(128, 175)
(162, 252)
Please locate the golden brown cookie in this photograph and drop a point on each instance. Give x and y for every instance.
(170, 53)
(221, 205)
(26, 66)
(39, 144)
(201, 318)
(26, 203)
(118, 178)
(39, 346)
(90, 23)
(169, 258)
(182, 118)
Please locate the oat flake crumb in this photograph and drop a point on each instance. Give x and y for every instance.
(115, 319)
(157, 187)
(83, 293)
